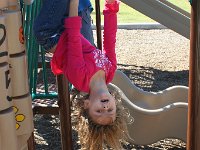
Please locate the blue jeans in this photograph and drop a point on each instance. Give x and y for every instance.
(86, 29)
(49, 23)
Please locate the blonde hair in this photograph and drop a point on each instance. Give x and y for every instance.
(94, 136)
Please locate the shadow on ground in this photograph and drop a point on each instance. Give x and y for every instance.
(150, 79)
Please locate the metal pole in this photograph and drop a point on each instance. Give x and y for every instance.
(98, 24)
(193, 132)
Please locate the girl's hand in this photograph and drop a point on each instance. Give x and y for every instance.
(111, 6)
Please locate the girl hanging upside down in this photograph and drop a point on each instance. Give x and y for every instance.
(101, 119)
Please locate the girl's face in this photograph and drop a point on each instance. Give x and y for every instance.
(101, 108)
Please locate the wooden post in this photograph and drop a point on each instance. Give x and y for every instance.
(31, 142)
(64, 112)
(193, 133)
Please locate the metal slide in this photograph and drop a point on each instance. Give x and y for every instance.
(165, 13)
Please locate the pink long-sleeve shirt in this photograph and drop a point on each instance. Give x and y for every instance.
(79, 60)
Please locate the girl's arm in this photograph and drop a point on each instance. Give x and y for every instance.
(75, 67)
(72, 30)
(73, 8)
(110, 29)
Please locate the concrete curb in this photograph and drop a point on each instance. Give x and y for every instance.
(135, 26)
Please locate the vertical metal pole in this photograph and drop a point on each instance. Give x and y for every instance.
(98, 24)
(193, 132)
(64, 112)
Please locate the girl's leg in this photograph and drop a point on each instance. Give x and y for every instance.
(86, 29)
(48, 24)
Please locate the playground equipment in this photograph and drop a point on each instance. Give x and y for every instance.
(179, 21)
(193, 133)
(47, 102)
(16, 118)
(157, 115)
(165, 13)
(28, 2)
(152, 108)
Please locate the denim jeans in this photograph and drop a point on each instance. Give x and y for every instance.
(86, 29)
(49, 23)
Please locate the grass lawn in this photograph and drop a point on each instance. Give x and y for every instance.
(130, 15)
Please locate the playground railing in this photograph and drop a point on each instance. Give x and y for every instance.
(35, 54)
